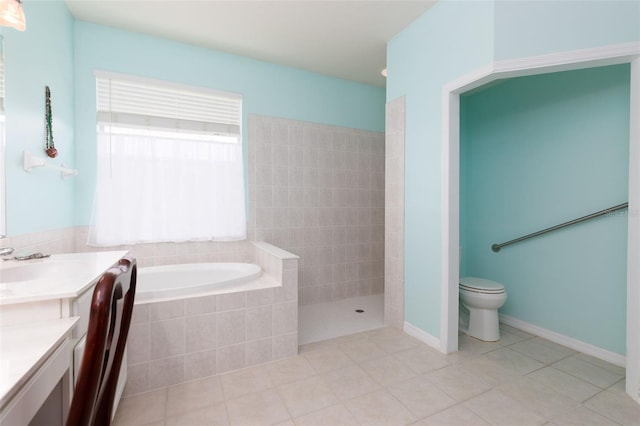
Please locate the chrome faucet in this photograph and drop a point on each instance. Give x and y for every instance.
(6, 251)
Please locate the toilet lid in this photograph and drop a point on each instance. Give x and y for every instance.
(480, 285)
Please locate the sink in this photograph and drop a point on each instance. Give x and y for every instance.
(33, 271)
(26, 272)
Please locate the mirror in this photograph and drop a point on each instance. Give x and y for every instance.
(3, 228)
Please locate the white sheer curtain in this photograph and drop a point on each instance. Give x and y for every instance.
(153, 188)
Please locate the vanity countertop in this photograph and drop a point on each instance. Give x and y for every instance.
(59, 276)
(24, 348)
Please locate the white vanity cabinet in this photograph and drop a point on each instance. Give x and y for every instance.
(43, 324)
(81, 307)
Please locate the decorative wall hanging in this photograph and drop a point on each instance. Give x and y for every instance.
(49, 146)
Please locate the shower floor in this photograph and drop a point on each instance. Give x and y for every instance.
(322, 321)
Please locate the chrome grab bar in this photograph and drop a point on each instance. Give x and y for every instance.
(496, 247)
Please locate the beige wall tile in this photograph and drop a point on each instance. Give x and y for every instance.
(230, 327)
(230, 358)
(167, 338)
(200, 333)
(199, 364)
(166, 372)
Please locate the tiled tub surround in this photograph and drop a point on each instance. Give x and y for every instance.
(74, 240)
(318, 192)
(176, 341)
(156, 254)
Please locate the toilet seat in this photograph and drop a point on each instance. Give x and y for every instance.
(481, 285)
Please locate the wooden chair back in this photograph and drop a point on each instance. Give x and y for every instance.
(109, 320)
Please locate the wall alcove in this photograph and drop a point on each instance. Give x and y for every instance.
(537, 151)
(573, 60)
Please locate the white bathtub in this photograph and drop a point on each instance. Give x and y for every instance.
(169, 282)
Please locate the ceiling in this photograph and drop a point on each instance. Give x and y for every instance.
(344, 39)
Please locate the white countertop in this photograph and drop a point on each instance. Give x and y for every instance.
(23, 349)
(57, 277)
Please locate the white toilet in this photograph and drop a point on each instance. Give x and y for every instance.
(479, 303)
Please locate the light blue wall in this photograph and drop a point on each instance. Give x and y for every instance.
(535, 152)
(451, 39)
(267, 88)
(40, 56)
(58, 51)
(530, 28)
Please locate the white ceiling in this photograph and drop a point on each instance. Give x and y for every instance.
(345, 39)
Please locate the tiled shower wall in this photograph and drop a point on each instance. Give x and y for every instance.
(318, 191)
(394, 214)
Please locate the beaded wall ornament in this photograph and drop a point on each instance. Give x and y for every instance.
(49, 146)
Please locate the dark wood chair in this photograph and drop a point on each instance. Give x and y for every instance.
(109, 320)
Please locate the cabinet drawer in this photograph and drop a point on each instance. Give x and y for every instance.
(78, 351)
(81, 308)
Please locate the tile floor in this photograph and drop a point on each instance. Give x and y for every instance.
(385, 377)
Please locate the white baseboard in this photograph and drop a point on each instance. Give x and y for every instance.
(423, 336)
(577, 345)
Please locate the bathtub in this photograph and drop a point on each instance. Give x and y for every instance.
(170, 282)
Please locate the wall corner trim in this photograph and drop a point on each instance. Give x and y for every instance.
(423, 336)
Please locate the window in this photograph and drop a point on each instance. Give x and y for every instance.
(169, 163)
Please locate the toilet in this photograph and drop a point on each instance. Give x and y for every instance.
(479, 302)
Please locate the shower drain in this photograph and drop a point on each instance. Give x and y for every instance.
(359, 311)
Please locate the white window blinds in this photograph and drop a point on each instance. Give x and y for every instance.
(132, 101)
(169, 164)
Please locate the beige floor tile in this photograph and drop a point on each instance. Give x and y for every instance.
(538, 397)
(215, 415)
(581, 416)
(564, 383)
(507, 338)
(616, 406)
(307, 395)
(498, 408)
(619, 386)
(142, 409)
(588, 372)
(336, 415)
(455, 416)
(516, 331)
(546, 354)
(484, 383)
(514, 361)
(328, 359)
(289, 370)
(362, 349)
(556, 346)
(380, 408)
(391, 340)
(350, 382)
(193, 395)
(261, 408)
(421, 359)
(600, 363)
(471, 347)
(458, 383)
(421, 396)
(310, 347)
(387, 370)
(491, 372)
(243, 382)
